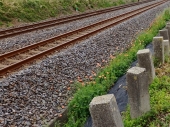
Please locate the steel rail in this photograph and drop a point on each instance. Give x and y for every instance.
(116, 21)
(45, 24)
(58, 37)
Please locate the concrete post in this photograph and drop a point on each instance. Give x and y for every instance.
(164, 34)
(158, 48)
(166, 47)
(104, 112)
(145, 60)
(138, 91)
(168, 23)
(168, 28)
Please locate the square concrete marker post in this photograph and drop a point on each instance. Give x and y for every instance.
(158, 49)
(166, 47)
(164, 34)
(138, 91)
(168, 23)
(104, 112)
(145, 60)
(168, 28)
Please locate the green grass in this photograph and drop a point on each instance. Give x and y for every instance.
(85, 92)
(36, 10)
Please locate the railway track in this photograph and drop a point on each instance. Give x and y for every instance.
(36, 26)
(15, 59)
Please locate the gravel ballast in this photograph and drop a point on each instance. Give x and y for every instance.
(22, 40)
(34, 96)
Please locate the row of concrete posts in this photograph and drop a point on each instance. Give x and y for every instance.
(104, 110)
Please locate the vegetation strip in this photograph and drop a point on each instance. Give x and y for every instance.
(79, 105)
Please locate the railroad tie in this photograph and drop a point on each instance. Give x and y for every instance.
(33, 51)
(43, 48)
(52, 45)
(2, 66)
(12, 60)
(24, 55)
